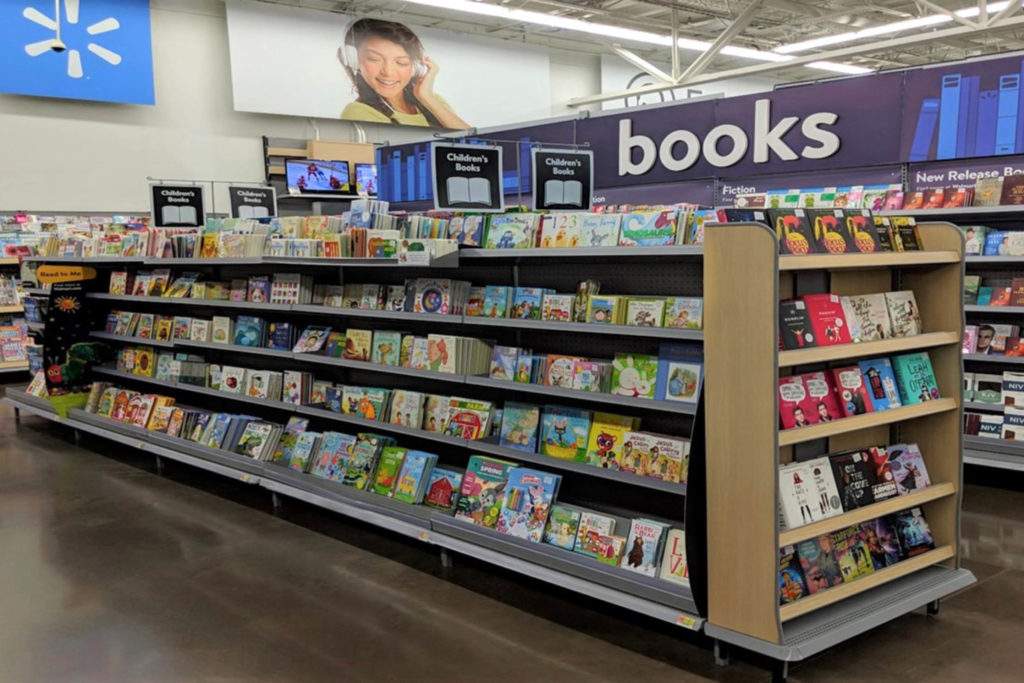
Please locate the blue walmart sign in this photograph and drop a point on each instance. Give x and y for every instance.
(77, 49)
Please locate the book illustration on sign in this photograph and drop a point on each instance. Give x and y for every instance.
(462, 190)
(561, 192)
(178, 215)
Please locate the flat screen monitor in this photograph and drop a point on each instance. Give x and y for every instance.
(317, 176)
(366, 178)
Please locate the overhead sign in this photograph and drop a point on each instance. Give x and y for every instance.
(49, 274)
(562, 179)
(467, 177)
(178, 206)
(252, 202)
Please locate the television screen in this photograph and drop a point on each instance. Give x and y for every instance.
(366, 178)
(316, 176)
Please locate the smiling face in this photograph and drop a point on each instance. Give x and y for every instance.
(385, 65)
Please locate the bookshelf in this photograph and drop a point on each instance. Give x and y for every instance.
(744, 279)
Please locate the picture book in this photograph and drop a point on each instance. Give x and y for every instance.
(684, 312)
(406, 408)
(609, 549)
(880, 380)
(442, 350)
(791, 580)
(366, 402)
(851, 391)
(221, 330)
(164, 328)
(559, 370)
(599, 230)
(200, 330)
(388, 467)
(855, 479)
(182, 326)
(361, 464)
(280, 336)
(435, 413)
(414, 476)
(607, 436)
(528, 499)
(564, 432)
(827, 318)
(483, 490)
(818, 563)
(312, 339)
(644, 545)
(443, 489)
(635, 452)
(302, 453)
(795, 325)
(904, 314)
(592, 526)
(666, 459)
(645, 312)
(358, 344)
(562, 527)
(503, 362)
(249, 331)
(468, 418)
(605, 309)
(634, 375)
(527, 303)
(908, 468)
(867, 316)
(648, 228)
(915, 378)
(332, 459)
(882, 541)
(673, 560)
(519, 424)
(560, 230)
(256, 440)
(511, 231)
(497, 301)
(852, 554)
(557, 307)
(680, 370)
(590, 376)
(386, 347)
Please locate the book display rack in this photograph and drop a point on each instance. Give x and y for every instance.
(10, 309)
(641, 272)
(997, 270)
(745, 446)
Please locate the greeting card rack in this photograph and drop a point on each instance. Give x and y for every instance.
(667, 271)
(744, 280)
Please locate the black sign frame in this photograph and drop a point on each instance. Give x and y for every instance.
(466, 176)
(252, 195)
(190, 198)
(570, 165)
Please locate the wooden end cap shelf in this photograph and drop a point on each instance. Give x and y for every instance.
(888, 259)
(883, 347)
(789, 437)
(866, 513)
(879, 577)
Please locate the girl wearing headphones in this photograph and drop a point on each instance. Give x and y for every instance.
(393, 79)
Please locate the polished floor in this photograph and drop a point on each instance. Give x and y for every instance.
(110, 572)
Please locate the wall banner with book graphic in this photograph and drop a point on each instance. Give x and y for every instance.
(177, 206)
(467, 177)
(562, 179)
(252, 202)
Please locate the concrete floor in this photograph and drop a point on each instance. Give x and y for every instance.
(112, 573)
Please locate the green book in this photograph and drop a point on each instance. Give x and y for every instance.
(387, 470)
(359, 470)
(386, 347)
(634, 374)
(915, 378)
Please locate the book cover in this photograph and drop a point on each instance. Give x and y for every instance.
(1012, 191)
(527, 303)
(605, 309)
(559, 371)
(510, 231)
(388, 467)
(519, 426)
(280, 336)
(443, 489)
(564, 432)
(599, 230)
(908, 468)
(795, 325)
(562, 527)
(885, 483)
(303, 451)
(680, 371)
(852, 554)
(828, 320)
(592, 526)
(818, 562)
(829, 232)
(557, 307)
(312, 339)
(358, 344)
(528, 499)
(607, 435)
(386, 347)
(406, 408)
(826, 493)
(667, 459)
(974, 239)
(634, 375)
(414, 476)
(331, 461)
(249, 331)
(684, 312)
(791, 580)
(855, 479)
(503, 362)
(882, 541)
(361, 464)
(442, 350)
(820, 404)
(867, 316)
(468, 418)
(903, 313)
(435, 413)
(483, 490)
(643, 546)
(880, 380)
(797, 496)
(793, 231)
(648, 228)
(861, 231)
(497, 300)
(915, 378)
(851, 391)
(673, 560)
(792, 398)
(646, 312)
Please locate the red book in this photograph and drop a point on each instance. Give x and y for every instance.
(955, 198)
(1001, 296)
(792, 397)
(825, 311)
(914, 201)
(885, 486)
(933, 199)
(821, 397)
(851, 393)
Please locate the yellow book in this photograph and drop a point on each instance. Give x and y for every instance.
(607, 434)
(210, 246)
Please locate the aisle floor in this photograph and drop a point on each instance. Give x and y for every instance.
(111, 572)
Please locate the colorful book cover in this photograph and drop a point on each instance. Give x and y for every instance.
(643, 546)
(361, 464)
(634, 375)
(648, 228)
(414, 476)
(388, 467)
(667, 459)
(519, 426)
(557, 307)
(684, 312)
(559, 371)
(818, 562)
(280, 336)
(303, 451)
(882, 541)
(592, 527)
(599, 230)
(915, 378)
(793, 231)
(852, 554)
(673, 560)
(497, 301)
(334, 347)
(562, 527)
(332, 459)
(679, 373)
(791, 580)
(511, 231)
(312, 339)
(827, 318)
(880, 381)
(503, 362)
(646, 312)
(914, 533)
(605, 309)
(868, 317)
(249, 331)
(358, 344)
(527, 303)
(607, 435)
(386, 347)
(406, 408)
(908, 468)
(443, 489)
(851, 391)
(903, 313)
(483, 490)
(528, 499)
(564, 432)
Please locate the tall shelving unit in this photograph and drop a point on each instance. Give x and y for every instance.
(744, 279)
(8, 264)
(998, 270)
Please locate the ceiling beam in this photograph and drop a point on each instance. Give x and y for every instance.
(939, 9)
(1005, 12)
(830, 55)
(738, 24)
(642, 64)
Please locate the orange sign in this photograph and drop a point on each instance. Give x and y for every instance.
(50, 274)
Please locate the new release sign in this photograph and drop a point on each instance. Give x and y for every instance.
(252, 202)
(562, 179)
(178, 206)
(467, 177)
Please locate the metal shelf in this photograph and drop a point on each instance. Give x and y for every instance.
(85, 259)
(975, 308)
(994, 259)
(992, 358)
(978, 405)
(188, 301)
(109, 336)
(232, 348)
(970, 211)
(685, 250)
(316, 359)
(406, 316)
(587, 328)
(677, 407)
(188, 261)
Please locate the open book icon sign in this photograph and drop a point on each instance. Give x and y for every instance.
(253, 211)
(463, 190)
(563, 192)
(184, 215)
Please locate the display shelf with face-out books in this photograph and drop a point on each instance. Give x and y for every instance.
(745, 446)
(664, 252)
(587, 328)
(1007, 211)
(127, 339)
(89, 260)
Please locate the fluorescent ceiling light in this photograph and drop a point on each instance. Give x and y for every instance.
(621, 33)
(886, 29)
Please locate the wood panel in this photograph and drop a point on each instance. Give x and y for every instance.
(353, 152)
(865, 421)
(884, 347)
(882, 260)
(740, 324)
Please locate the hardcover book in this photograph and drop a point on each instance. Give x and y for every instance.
(607, 436)
(519, 426)
(673, 560)
(793, 231)
(645, 312)
(821, 402)
(562, 527)
(648, 228)
(564, 432)
(414, 476)
(386, 347)
(852, 554)
(362, 462)
(680, 371)
(795, 325)
(915, 378)
(483, 490)
(908, 468)
(855, 479)
(634, 375)
(443, 489)
(684, 312)
(904, 314)
(914, 533)
(791, 580)
(882, 541)
(851, 391)
(829, 232)
(527, 503)
(358, 344)
(867, 316)
(643, 546)
(818, 561)
(592, 527)
(331, 461)
(885, 482)
(880, 381)
(861, 231)
(828, 320)
(388, 467)
(511, 231)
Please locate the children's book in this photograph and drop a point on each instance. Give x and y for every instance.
(386, 347)
(249, 331)
(362, 462)
(880, 381)
(599, 230)
(312, 339)
(684, 312)
(443, 489)
(483, 490)
(358, 344)
(303, 451)
(680, 371)
(527, 303)
(280, 336)
(564, 432)
(592, 527)
(644, 545)
(648, 228)
(388, 467)
(818, 563)
(557, 307)
(563, 524)
(414, 476)
(221, 330)
(497, 301)
(606, 309)
(503, 362)
(645, 312)
(915, 378)
(528, 499)
(511, 231)
(559, 370)
(791, 580)
(332, 459)
(607, 436)
(468, 418)
(634, 375)
(406, 408)
(673, 560)
(519, 426)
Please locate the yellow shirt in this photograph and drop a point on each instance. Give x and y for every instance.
(358, 111)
